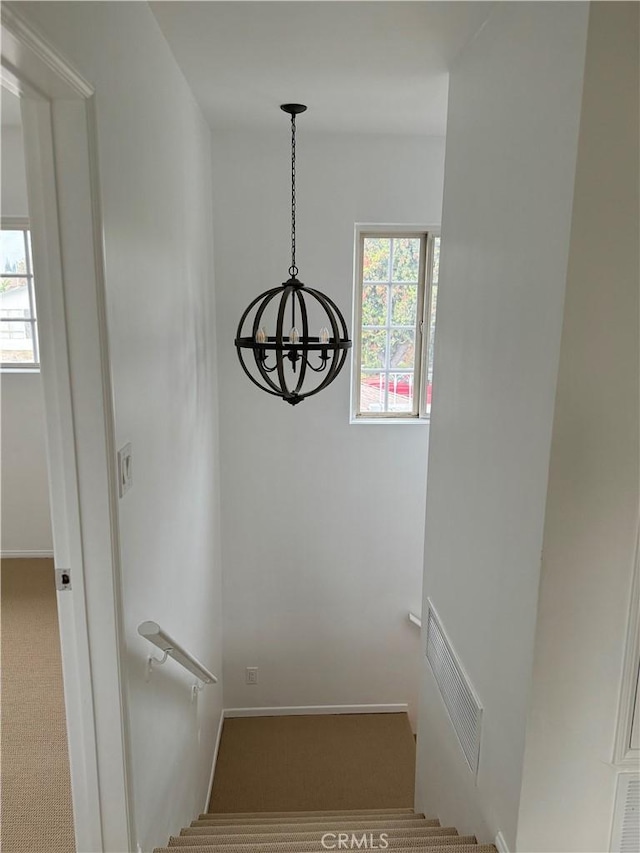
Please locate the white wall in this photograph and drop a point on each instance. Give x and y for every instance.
(25, 523)
(155, 163)
(514, 106)
(592, 501)
(322, 521)
(14, 186)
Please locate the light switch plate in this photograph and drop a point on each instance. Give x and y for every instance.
(125, 469)
(63, 580)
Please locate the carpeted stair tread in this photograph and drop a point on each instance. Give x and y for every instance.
(233, 829)
(242, 816)
(220, 819)
(277, 846)
(452, 848)
(263, 837)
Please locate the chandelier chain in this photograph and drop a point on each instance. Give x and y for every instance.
(293, 269)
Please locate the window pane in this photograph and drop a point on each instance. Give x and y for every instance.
(14, 297)
(372, 392)
(374, 348)
(30, 258)
(435, 268)
(18, 337)
(12, 252)
(432, 327)
(396, 388)
(375, 298)
(16, 342)
(377, 257)
(391, 357)
(435, 271)
(404, 304)
(403, 347)
(400, 392)
(406, 259)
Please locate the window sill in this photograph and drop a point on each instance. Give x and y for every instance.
(6, 370)
(389, 421)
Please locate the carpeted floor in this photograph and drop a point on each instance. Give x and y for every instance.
(346, 761)
(37, 815)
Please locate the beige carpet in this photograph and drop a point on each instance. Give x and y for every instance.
(37, 814)
(347, 761)
(398, 830)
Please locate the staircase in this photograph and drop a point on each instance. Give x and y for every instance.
(400, 830)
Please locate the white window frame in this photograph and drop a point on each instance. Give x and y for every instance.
(21, 223)
(429, 232)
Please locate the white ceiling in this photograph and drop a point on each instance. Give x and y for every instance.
(375, 67)
(9, 109)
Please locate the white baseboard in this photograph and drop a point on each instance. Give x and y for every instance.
(26, 555)
(215, 760)
(501, 844)
(308, 710)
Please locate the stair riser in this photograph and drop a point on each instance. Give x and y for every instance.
(217, 829)
(243, 816)
(222, 819)
(451, 848)
(266, 837)
(373, 841)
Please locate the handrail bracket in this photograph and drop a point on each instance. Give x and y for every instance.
(169, 647)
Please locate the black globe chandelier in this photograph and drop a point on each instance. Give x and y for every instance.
(291, 363)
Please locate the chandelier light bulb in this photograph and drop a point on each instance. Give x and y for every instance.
(324, 335)
(261, 335)
(294, 336)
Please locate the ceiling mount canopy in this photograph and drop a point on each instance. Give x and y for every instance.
(293, 109)
(291, 363)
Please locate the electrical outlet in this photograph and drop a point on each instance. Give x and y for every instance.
(125, 469)
(251, 675)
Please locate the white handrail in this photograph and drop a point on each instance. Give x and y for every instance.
(153, 632)
(416, 620)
